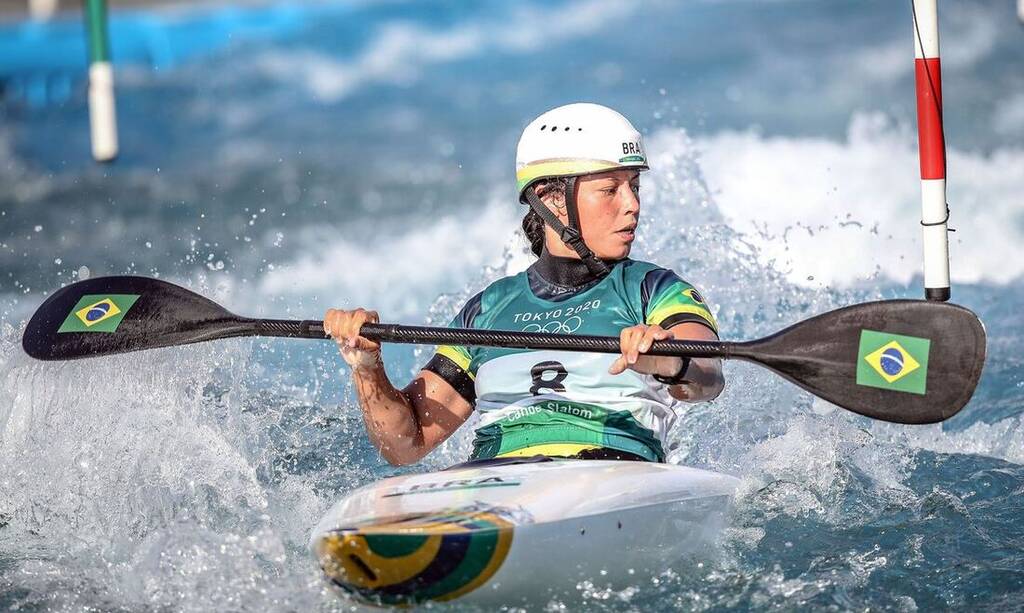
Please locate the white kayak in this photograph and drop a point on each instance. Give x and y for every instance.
(518, 534)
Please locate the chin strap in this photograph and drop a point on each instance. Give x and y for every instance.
(571, 234)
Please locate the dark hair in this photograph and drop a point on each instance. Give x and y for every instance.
(533, 225)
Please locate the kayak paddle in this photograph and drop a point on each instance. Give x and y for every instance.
(902, 361)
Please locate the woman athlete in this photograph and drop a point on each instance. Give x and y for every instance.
(578, 169)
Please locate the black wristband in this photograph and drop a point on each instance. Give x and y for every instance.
(677, 378)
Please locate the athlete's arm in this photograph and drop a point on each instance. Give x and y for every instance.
(404, 425)
(703, 377)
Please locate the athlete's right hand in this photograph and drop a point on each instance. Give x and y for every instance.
(343, 327)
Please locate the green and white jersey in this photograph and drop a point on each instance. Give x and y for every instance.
(561, 403)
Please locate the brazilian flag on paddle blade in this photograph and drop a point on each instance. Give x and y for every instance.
(893, 361)
(98, 313)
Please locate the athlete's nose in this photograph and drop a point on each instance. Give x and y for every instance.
(631, 203)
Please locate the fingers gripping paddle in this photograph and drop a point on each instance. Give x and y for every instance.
(904, 361)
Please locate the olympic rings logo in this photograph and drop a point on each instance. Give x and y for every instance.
(568, 326)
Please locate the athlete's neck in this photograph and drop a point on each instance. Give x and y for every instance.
(566, 272)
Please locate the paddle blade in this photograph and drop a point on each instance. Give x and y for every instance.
(903, 361)
(110, 315)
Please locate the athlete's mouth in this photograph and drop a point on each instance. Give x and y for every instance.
(627, 232)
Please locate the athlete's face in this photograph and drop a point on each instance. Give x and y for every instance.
(609, 206)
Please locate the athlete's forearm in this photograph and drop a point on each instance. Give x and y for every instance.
(704, 381)
(389, 414)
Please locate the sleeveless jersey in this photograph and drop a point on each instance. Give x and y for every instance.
(560, 403)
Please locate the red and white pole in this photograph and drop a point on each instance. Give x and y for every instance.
(932, 145)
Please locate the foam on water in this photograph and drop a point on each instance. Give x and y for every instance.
(344, 270)
(828, 200)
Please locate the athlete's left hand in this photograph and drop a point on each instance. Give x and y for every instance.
(634, 342)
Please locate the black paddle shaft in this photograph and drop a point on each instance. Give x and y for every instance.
(425, 335)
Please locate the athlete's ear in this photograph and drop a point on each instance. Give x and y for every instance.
(554, 199)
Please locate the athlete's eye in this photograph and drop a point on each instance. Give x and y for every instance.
(636, 188)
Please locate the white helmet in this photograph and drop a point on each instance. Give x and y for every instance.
(571, 141)
(577, 139)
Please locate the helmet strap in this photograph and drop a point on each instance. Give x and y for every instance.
(571, 235)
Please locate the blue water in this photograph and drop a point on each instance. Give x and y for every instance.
(362, 156)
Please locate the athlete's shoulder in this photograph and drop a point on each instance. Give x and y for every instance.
(637, 269)
(650, 276)
(504, 285)
(495, 292)
(668, 299)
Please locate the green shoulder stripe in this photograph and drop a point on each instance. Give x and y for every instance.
(679, 298)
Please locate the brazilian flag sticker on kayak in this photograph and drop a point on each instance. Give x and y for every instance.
(893, 361)
(410, 560)
(98, 313)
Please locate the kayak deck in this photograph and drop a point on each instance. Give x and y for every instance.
(506, 534)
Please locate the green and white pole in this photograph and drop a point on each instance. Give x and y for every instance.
(102, 115)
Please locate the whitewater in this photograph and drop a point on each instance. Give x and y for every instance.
(364, 157)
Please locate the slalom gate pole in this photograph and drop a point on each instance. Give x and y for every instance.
(932, 147)
(102, 114)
